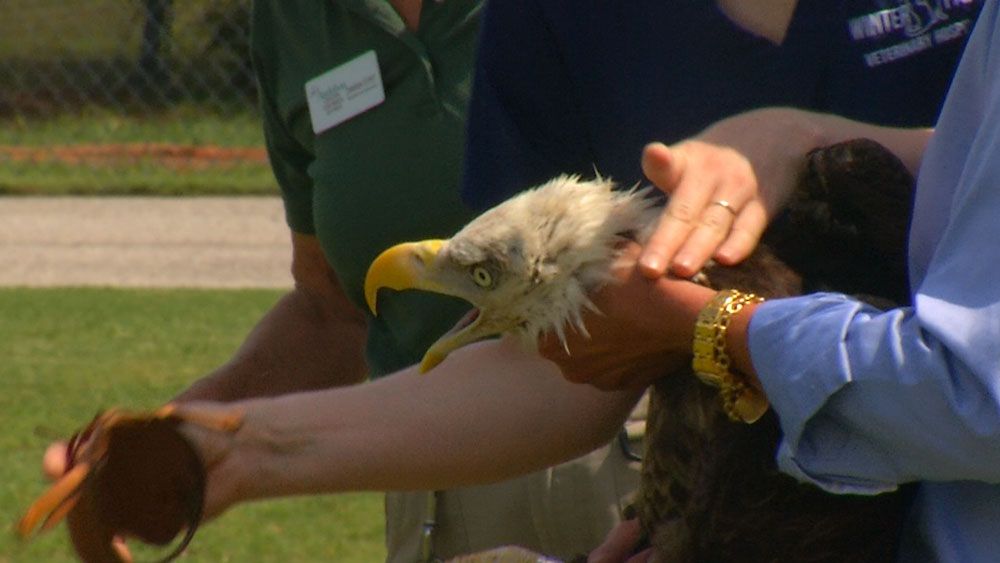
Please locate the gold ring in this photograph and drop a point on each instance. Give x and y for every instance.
(725, 205)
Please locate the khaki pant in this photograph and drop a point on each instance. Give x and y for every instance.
(562, 511)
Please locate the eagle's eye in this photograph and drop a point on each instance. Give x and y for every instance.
(482, 276)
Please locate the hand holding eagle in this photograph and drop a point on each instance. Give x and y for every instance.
(711, 490)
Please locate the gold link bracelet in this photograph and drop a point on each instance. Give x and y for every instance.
(741, 401)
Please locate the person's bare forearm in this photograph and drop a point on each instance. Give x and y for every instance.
(908, 144)
(490, 412)
(300, 344)
(802, 130)
(313, 338)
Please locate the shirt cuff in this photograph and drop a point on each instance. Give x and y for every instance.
(797, 349)
(789, 339)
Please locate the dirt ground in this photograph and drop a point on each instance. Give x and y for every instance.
(223, 242)
(170, 155)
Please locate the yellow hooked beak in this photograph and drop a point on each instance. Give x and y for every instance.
(403, 266)
(411, 266)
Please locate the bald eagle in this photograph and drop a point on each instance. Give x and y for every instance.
(710, 488)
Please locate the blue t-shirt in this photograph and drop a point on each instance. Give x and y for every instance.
(583, 85)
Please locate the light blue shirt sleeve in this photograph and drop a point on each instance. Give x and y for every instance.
(869, 399)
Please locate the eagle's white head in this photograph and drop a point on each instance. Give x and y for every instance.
(526, 265)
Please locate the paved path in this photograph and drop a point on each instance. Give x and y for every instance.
(226, 242)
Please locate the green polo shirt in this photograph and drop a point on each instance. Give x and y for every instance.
(387, 175)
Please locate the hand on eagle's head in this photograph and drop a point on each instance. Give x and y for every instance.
(643, 330)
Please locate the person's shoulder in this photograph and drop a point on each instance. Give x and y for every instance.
(280, 28)
(284, 9)
(282, 20)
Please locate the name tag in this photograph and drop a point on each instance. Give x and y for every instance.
(344, 92)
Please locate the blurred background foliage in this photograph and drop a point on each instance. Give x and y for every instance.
(128, 96)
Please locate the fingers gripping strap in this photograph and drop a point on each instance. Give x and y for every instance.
(130, 475)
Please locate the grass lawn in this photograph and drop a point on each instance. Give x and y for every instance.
(185, 124)
(136, 178)
(182, 126)
(67, 352)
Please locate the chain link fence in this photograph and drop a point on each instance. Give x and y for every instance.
(128, 96)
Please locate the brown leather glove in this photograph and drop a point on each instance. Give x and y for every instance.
(128, 474)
